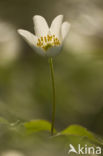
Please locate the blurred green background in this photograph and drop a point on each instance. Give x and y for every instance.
(25, 86)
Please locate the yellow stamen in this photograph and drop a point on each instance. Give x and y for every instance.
(41, 38)
(47, 42)
(45, 38)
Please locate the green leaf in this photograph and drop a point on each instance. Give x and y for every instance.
(78, 130)
(37, 126)
(3, 121)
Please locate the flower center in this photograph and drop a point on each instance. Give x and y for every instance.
(47, 42)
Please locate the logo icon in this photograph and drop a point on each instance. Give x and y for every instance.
(72, 149)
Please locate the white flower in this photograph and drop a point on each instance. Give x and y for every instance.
(46, 41)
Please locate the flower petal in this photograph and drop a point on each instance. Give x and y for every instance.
(39, 51)
(54, 51)
(65, 29)
(29, 37)
(31, 40)
(40, 26)
(56, 26)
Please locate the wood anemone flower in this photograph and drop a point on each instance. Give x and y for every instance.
(46, 41)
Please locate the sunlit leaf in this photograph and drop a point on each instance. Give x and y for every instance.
(77, 130)
(37, 126)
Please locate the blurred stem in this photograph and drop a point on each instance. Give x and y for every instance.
(53, 88)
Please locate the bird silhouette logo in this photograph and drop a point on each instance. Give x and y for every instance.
(72, 149)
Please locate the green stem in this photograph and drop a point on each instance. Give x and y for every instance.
(53, 88)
